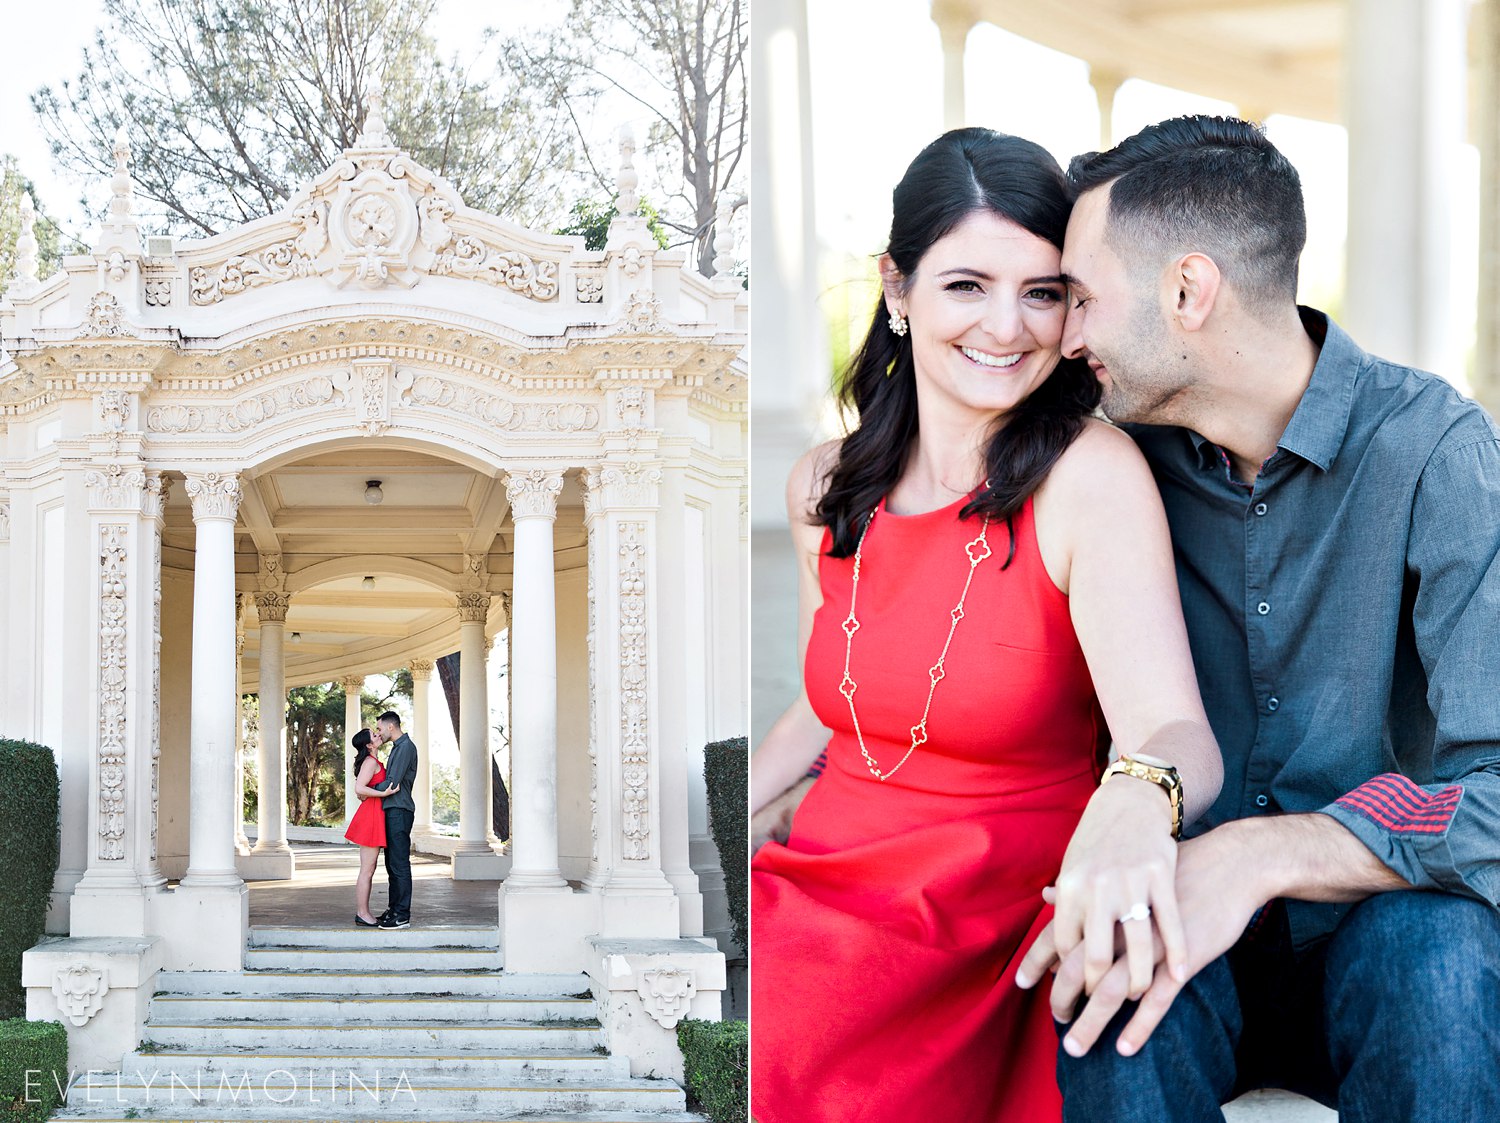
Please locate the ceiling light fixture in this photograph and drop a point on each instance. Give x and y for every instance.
(368, 582)
(373, 494)
(296, 637)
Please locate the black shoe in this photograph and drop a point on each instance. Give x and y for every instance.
(361, 922)
(393, 922)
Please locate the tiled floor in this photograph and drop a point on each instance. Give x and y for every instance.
(323, 891)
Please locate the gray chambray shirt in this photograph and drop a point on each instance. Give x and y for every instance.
(1344, 617)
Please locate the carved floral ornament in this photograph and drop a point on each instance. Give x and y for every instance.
(635, 744)
(214, 495)
(112, 692)
(533, 494)
(375, 221)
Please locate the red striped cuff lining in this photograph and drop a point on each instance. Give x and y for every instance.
(1398, 804)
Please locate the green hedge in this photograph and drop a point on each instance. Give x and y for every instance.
(726, 770)
(716, 1062)
(37, 1048)
(28, 839)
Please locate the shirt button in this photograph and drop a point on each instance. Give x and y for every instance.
(1261, 800)
(1273, 704)
(1263, 608)
(1260, 508)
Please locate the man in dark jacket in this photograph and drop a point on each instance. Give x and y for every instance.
(400, 811)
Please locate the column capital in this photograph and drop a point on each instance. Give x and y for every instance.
(421, 669)
(632, 484)
(352, 682)
(215, 495)
(533, 494)
(119, 487)
(505, 607)
(473, 607)
(271, 607)
(271, 598)
(4, 516)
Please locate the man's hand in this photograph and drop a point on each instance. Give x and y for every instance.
(773, 822)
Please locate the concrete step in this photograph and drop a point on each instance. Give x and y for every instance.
(288, 1096)
(401, 1038)
(424, 936)
(293, 958)
(276, 1009)
(477, 981)
(539, 1064)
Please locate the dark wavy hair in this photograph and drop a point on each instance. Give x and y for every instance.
(962, 172)
(361, 742)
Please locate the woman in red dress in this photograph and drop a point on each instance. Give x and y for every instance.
(367, 826)
(986, 599)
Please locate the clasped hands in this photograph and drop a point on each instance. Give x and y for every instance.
(1101, 943)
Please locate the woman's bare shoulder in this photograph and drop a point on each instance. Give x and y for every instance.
(809, 480)
(1101, 465)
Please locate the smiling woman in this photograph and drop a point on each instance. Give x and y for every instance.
(972, 611)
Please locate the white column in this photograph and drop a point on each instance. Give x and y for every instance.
(421, 691)
(953, 30)
(473, 736)
(272, 856)
(354, 686)
(1106, 84)
(241, 840)
(216, 500)
(1487, 129)
(533, 507)
(791, 363)
(1404, 99)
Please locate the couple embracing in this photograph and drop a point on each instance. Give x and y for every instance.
(384, 818)
(1271, 581)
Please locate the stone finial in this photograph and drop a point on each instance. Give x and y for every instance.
(627, 180)
(123, 188)
(374, 134)
(25, 278)
(723, 239)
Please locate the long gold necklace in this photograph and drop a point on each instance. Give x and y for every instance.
(977, 551)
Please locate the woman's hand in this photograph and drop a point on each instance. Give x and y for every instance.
(773, 822)
(1121, 857)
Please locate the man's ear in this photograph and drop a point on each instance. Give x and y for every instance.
(893, 282)
(1195, 280)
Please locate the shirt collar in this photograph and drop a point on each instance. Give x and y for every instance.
(1316, 430)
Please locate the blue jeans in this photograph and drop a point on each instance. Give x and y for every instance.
(1394, 1018)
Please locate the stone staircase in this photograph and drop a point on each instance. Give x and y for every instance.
(354, 1025)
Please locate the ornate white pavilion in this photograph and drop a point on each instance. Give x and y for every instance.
(208, 449)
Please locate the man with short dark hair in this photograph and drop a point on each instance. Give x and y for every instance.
(1336, 521)
(400, 812)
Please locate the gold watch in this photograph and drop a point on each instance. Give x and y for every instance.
(1155, 772)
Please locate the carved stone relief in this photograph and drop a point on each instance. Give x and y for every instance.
(502, 412)
(643, 312)
(533, 493)
(635, 745)
(667, 993)
(214, 496)
(80, 991)
(248, 412)
(105, 317)
(112, 691)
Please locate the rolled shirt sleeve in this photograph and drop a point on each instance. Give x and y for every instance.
(1436, 821)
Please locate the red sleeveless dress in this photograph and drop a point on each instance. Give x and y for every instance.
(887, 932)
(367, 825)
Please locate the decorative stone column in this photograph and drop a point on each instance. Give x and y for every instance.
(533, 507)
(1486, 110)
(1404, 101)
(125, 517)
(636, 897)
(421, 690)
(473, 858)
(212, 903)
(241, 840)
(272, 857)
(354, 686)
